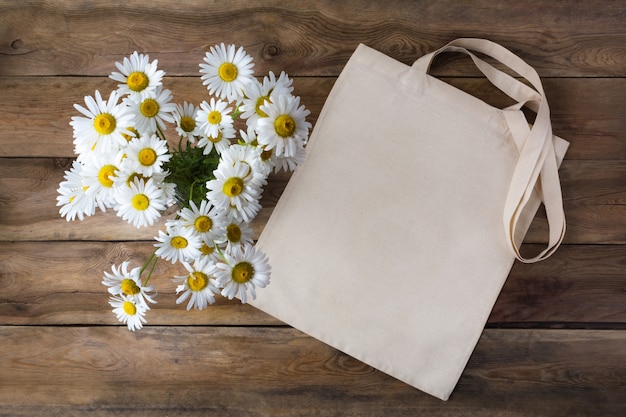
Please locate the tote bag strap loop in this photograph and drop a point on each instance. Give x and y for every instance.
(537, 167)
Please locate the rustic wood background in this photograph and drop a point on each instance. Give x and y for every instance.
(555, 344)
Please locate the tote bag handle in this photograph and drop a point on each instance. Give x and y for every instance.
(537, 166)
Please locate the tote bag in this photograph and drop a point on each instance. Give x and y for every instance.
(393, 240)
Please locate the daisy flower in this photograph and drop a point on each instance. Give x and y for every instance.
(131, 133)
(227, 71)
(204, 220)
(289, 163)
(125, 283)
(152, 111)
(221, 142)
(208, 250)
(265, 160)
(129, 312)
(73, 198)
(213, 117)
(249, 155)
(284, 126)
(147, 154)
(185, 118)
(233, 190)
(139, 77)
(101, 129)
(140, 203)
(199, 286)
(236, 234)
(99, 176)
(257, 94)
(178, 244)
(127, 174)
(242, 272)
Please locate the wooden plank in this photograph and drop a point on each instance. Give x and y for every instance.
(594, 198)
(281, 372)
(61, 283)
(28, 210)
(587, 112)
(44, 283)
(48, 116)
(579, 285)
(64, 37)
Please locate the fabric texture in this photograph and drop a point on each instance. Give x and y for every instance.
(393, 240)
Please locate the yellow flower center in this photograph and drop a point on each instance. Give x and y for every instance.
(242, 272)
(129, 287)
(233, 233)
(130, 137)
(203, 224)
(179, 242)
(149, 107)
(197, 281)
(106, 174)
(130, 308)
(137, 81)
(206, 249)
(131, 178)
(284, 125)
(214, 117)
(228, 71)
(233, 186)
(188, 124)
(216, 139)
(266, 154)
(147, 156)
(104, 124)
(140, 202)
(260, 102)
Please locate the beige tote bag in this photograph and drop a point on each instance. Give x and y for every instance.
(392, 241)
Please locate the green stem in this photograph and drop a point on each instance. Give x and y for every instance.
(217, 248)
(145, 283)
(160, 133)
(180, 144)
(237, 112)
(152, 259)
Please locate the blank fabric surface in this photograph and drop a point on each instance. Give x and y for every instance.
(389, 242)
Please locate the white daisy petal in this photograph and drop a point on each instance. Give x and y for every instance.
(147, 154)
(102, 128)
(73, 197)
(199, 285)
(185, 118)
(140, 202)
(138, 77)
(284, 126)
(178, 244)
(227, 72)
(242, 272)
(153, 111)
(129, 312)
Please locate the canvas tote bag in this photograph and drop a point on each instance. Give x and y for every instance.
(393, 240)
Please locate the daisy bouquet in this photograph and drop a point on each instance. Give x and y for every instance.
(213, 175)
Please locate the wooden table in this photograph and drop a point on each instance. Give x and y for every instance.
(555, 344)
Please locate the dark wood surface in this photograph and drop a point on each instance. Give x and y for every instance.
(554, 345)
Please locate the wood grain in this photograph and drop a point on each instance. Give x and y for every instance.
(282, 372)
(305, 39)
(586, 112)
(555, 343)
(594, 195)
(56, 283)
